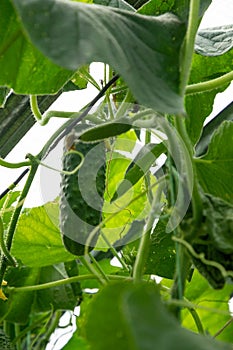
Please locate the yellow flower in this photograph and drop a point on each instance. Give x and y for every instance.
(2, 295)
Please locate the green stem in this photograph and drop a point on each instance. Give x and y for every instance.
(145, 239)
(114, 252)
(98, 267)
(17, 332)
(189, 44)
(13, 165)
(62, 282)
(4, 249)
(34, 325)
(35, 108)
(124, 105)
(15, 217)
(197, 205)
(228, 323)
(91, 269)
(48, 331)
(210, 84)
(197, 320)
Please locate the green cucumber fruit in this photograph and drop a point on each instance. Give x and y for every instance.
(82, 194)
(5, 343)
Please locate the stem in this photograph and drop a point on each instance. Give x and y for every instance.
(13, 165)
(97, 265)
(48, 331)
(4, 249)
(189, 44)
(114, 252)
(197, 205)
(35, 108)
(90, 268)
(71, 124)
(36, 324)
(197, 321)
(14, 184)
(15, 217)
(62, 282)
(210, 84)
(145, 239)
(223, 327)
(38, 161)
(124, 105)
(17, 332)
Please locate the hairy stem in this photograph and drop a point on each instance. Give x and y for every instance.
(210, 84)
(145, 239)
(15, 217)
(196, 198)
(189, 44)
(62, 282)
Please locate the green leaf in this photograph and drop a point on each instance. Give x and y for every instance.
(215, 169)
(178, 7)
(199, 106)
(140, 46)
(214, 41)
(130, 316)
(210, 128)
(162, 254)
(17, 308)
(219, 221)
(140, 165)
(59, 298)
(37, 241)
(23, 67)
(120, 4)
(4, 92)
(213, 311)
(76, 342)
(118, 225)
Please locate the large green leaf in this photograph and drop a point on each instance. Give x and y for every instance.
(215, 169)
(199, 106)
(178, 7)
(210, 128)
(18, 306)
(23, 67)
(61, 297)
(139, 167)
(76, 342)
(37, 240)
(138, 47)
(131, 317)
(119, 224)
(213, 310)
(162, 253)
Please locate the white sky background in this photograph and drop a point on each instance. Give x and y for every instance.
(219, 13)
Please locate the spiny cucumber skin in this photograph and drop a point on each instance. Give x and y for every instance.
(5, 343)
(77, 217)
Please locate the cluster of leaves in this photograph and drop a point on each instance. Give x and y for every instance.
(167, 222)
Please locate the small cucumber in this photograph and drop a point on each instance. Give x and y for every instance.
(82, 194)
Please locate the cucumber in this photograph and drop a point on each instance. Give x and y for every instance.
(5, 343)
(81, 198)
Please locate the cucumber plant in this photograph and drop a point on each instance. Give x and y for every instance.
(143, 181)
